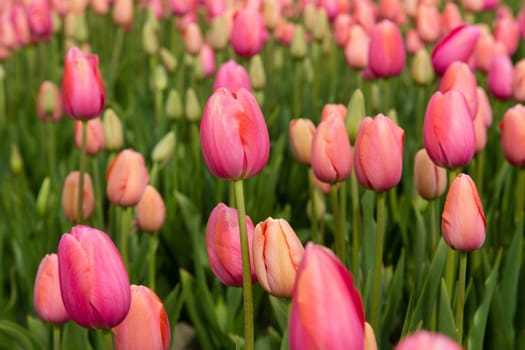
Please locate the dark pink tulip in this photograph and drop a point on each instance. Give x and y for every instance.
(512, 128)
(429, 341)
(460, 77)
(40, 19)
(457, 45)
(248, 33)
(223, 245)
(93, 280)
(448, 130)
(463, 220)
(331, 151)
(232, 76)
(83, 93)
(234, 137)
(500, 77)
(386, 53)
(378, 153)
(127, 178)
(46, 296)
(326, 311)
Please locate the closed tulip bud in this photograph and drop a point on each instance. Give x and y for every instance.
(93, 280)
(356, 47)
(223, 244)
(355, 114)
(463, 220)
(378, 153)
(96, 136)
(500, 77)
(163, 151)
(341, 27)
(428, 22)
(320, 205)
(480, 131)
(321, 25)
(83, 92)
(17, 163)
(123, 13)
(232, 76)
(458, 45)
(448, 130)
(413, 42)
(460, 77)
(257, 75)
(146, 325)
(192, 38)
(423, 339)
(309, 13)
(301, 132)
(46, 293)
(248, 33)
(159, 80)
(49, 105)
(113, 130)
(174, 108)
(206, 61)
(512, 128)
(150, 40)
(277, 252)
(43, 196)
(386, 53)
(298, 47)
(151, 210)
(430, 179)
(450, 18)
(327, 310)
(218, 34)
(234, 137)
(126, 178)
(193, 107)
(70, 196)
(168, 60)
(332, 108)
(331, 151)
(422, 72)
(518, 80)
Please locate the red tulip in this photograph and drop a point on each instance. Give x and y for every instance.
(512, 128)
(127, 178)
(47, 297)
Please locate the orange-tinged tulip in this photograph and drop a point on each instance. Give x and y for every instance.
(356, 47)
(96, 135)
(480, 132)
(192, 37)
(463, 220)
(70, 196)
(341, 28)
(430, 179)
(450, 18)
(301, 133)
(127, 178)
(151, 210)
(428, 22)
(46, 296)
(507, 32)
(512, 128)
(331, 108)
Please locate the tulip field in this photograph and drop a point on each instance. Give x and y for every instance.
(262, 174)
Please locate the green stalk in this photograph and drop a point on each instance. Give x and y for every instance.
(450, 271)
(356, 228)
(3, 105)
(82, 170)
(433, 226)
(153, 245)
(98, 194)
(246, 271)
(338, 233)
(124, 236)
(108, 339)
(461, 295)
(376, 291)
(342, 216)
(154, 173)
(519, 195)
(115, 57)
(313, 219)
(56, 337)
(298, 90)
(50, 140)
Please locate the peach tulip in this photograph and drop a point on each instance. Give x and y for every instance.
(458, 45)
(332, 108)
(232, 76)
(423, 339)
(356, 47)
(480, 133)
(123, 13)
(192, 38)
(386, 53)
(450, 18)
(430, 179)
(507, 32)
(151, 210)
(341, 28)
(512, 128)
(127, 178)
(96, 135)
(46, 296)
(301, 132)
(428, 22)
(413, 42)
(70, 196)
(484, 108)
(284, 32)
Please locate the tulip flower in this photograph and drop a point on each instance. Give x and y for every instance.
(507, 32)
(70, 196)
(448, 130)
(341, 28)
(123, 13)
(463, 220)
(457, 45)
(96, 135)
(126, 178)
(234, 137)
(301, 133)
(248, 33)
(430, 179)
(183, 7)
(356, 47)
(428, 22)
(480, 132)
(370, 338)
(83, 93)
(224, 247)
(500, 77)
(460, 77)
(49, 104)
(423, 339)
(113, 130)
(151, 210)
(39, 18)
(518, 80)
(378, 153)
(232, 76)
(386, 53)
(327, 310)
(146, 325)
(512, 128)
(484, 108)
(46, 296)
(192, 37)
(413, 42)
(207, 60)
(93, 280)
(284, 32)
(277, 252)
(450, 18)
(331, 108)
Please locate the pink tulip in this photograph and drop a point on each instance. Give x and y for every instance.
(214, 8)
(390, 9)
(7, 32)
(423, 339)
(332, 108)
(301, 132)
(277, 252)
(486, 49)
(146, 325)
(356, 48)
(518, 81)
(83, 92)
(484, 108)
(284, 32)
(331, 151)
(151, 210)
(20, 24)
(428, 22)
(49, 104)
(100, 7)
(378, 153)
(327, 310)
(96, 136)
(512, 128)
(386, 53)
(448, 130)
(430, 179)
(450, 18)
(207, 60)
(39, 18)
(70, 196)
(233, 77)
(248, 33)
(127, 178)
(93, 280)
(341, 28)
(331, 7)
(507, 32)
(123, 13)
(223, 245)
(413, 41)
(234, 137)
(192, 37)
(364, 14)
(458, 45)
(183, 7)
(46, 296)
(463, 220)
(460, 77)
(480, 132)
(500, 77)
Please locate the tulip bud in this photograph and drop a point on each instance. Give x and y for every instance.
(423, 339)
(151, 210)
(174, 109)
(301, 133)
(309, 14)
(518, 80)
(257, 75)
(17, 163)
(150, 41)
(277, 252)
(356, 47)
(164, 149)
(500, 77)
(463, 220)
(146, 325)
(457, 45)
(218, 33)
(484, 108)
(93, 280)
(223, 245)
(192, 38)
(43, 195)
(123, 13)
(168, 60)
(126, 178)
(512, 128)
(355, 114)
(320, 25)
(193, 108)
(46, 296)
(96, 136)
(320, 205)
(422, 72)
(159, 80)
(430, 179)
(232, 76)
(480, 132)
(70, 196)
(113, 130)
(205, 66)
(386, 53)
(49, 105)
(298, 46)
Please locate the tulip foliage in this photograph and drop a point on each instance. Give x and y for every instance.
(379, 146)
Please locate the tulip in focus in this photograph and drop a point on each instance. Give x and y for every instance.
(301, 132)
(83, 93)
(248, 33)
(378, 153)
(332, 108)
(232, 76)
(49, 104)
(70, 197)
(223, 245)
(96, 135)
(126, 178)
(423, 339)
(93, 280)
(430, 179)
(46, 296)
(151, 210)
(146, 325)
(234, 137)
(460, 77)
(457, 45)
(386, 53)
(512, 128)
(327, 310)
(463, 220)
(500, 77)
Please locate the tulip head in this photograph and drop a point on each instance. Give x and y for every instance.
(301, 133)
(113, 130)
(386, 53)
(423, 339)
(232, 76)
(430, 179)
(70, 196)
(248, 32)
(457, 45)
(49, 104)
(459, 76)
(96, 135)
(500, 77)
(512, 128)
(126, 178)
(46, 296)
(151, 210)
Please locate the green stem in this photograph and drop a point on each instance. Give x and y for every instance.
(385, 83)
(479, 171)
(82, 170)
(376, 291)
(3, 105)
(124, 236)
(117, 50)
(154, 172)
(298, 91)
(50, 140)
(461, 295)
(450, 271)
(98, 194)
(313, 201)
(356, 227)
(195, 140)
(519, 195)
(56, 337)
(108, 340)
(154, 243)
(342, 216)
(338, 233)
(246, 271)
(433, 227)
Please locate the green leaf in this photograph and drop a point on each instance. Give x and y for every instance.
(39, 329)
(173, 304)
(14, 336)
(391, 315)
(446, 322)
(511, 273)
(280, 309)
(75, 337)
